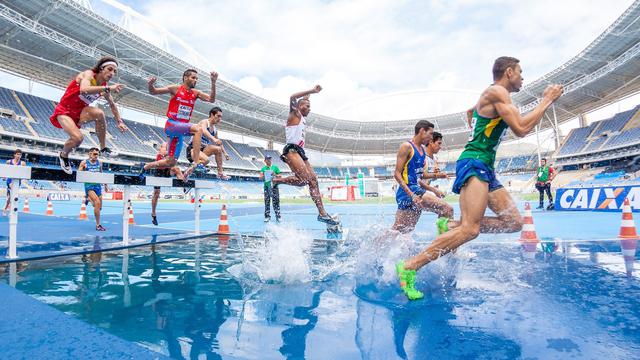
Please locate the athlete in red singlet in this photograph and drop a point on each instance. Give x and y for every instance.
(179, 112)
(74, 109)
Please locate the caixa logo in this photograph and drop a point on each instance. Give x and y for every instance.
(597, 199)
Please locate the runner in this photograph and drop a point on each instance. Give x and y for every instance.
(162, 153)
(210, 144)
(475, 175)
(91, 190)
(17, 156)
(74, 109)
(183, 99)
(293, 153)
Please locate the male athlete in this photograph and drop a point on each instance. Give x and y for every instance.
(164, 172)
(545, 175)
(210, 144)
(293, 153)
(475, 175)
(415, 168)
(91, 190)
(74, 109)
(17, 156)
(183, 99)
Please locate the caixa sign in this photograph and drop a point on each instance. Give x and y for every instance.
(608, 198)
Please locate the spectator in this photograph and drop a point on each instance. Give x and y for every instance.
(545, 175)
(267, 173)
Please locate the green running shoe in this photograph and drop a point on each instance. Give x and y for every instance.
(408, 282)
(443, 225)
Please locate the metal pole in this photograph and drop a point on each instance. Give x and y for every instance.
(13, 219)
(555, 126)
(125, 214)
(196, 194)
(538, 142)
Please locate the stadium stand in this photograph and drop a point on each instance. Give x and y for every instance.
(14, 125)
(8, 101)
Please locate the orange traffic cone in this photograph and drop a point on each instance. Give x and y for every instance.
(528, 233)
(49, 208)
(131, 220)
(528, 237)
(628, 237)
(223, 226)
(25, 209)
(83, 210)
(627, 227)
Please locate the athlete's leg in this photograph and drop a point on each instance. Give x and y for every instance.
(474, 198)
(154, 200)
(97, 205)
(91, 113)
(165, 163)
(75, 136)
(314, 189)
(508, 219)
(217, 151)
(406, 220)
(297, 165)
(196, 132)
(177, 172)
(437, 205)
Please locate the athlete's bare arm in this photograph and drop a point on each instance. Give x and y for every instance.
(294, 98)
(204, 124)
(169, 89)
(211, 97)
(496, 101)
(84, 79)
(116, 113)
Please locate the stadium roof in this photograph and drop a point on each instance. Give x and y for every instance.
(53, 40)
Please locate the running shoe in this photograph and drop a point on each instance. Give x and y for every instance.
(65, 164)
(106, 152)
(408, 282)
(201, 169)
(154, 220)
(100, 228)
(443, 225)
(267, 219)
(328, 219)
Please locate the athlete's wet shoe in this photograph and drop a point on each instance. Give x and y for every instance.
(201, 169)
(329, 220)
(106, 152)
(100, 228)
(443, 225)
(154, 220)
(408, 282)
(65, 164)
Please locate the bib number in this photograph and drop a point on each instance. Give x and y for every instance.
(184, 112)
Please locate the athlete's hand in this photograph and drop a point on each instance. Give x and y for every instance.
(214, 76)
(122, 127)
(151, 81)
(218, 142)
(226, 156)
(116, 88)
(317, 89)
(416, 199)
(552, 92)
(439, 194)
(441, 175)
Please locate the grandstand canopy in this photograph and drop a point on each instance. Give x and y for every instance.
(50, 41)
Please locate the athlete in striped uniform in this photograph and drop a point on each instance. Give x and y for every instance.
(75, 110)
(91, 190)
(293, 152)
(183, 99)
(210, 144)
(475, 176)
(17, 156)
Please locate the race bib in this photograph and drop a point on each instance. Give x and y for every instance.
(184, 112)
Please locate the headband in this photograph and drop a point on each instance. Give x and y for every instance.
(107, 63)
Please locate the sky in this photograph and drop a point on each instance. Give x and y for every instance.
(375, 59)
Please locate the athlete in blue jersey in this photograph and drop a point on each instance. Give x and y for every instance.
(17, 156)
(94, 191)
(410, 162)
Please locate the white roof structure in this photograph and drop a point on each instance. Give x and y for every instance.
(51, 41)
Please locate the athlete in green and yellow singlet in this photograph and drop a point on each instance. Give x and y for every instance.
(475, 175)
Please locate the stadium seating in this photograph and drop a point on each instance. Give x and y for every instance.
(8, 101)
(14, 125)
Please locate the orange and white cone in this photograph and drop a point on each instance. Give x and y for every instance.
(49, 208)
(25, 209)
(131, 220)
(628, 237)
(83, 210)
(528, 237)
(223, 225)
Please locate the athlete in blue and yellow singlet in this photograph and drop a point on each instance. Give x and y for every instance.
(93, 191)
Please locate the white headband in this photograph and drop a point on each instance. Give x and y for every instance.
(105, 64)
